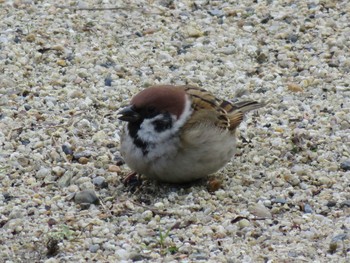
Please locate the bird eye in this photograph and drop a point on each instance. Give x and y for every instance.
(150, 112)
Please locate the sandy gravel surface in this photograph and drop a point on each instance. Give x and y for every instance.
(66, 67)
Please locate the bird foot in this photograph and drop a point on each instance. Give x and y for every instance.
(132, 180)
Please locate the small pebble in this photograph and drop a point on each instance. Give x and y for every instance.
(61, 63)
(159, 205)
(100, 181)
(260, 211)
(340, 237)
(118, 160)
(27, 107)
(294, 87)
(114, 169)
(243, 223)
(216, 12)
(345, 203)
(86, 154)
(108, 81)
(193, 31)
(94, 247)
(308, 209)
(345, 165)
(66, 179)
(279, 201)
(51, 222)
(86, 196)
(58, 171)
(67, 149)
(42, 173)
(147, 215)
(331, 203)
(83, 160)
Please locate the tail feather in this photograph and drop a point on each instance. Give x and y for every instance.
(237, 110)
(243, 106)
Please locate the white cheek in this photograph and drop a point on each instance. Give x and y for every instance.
(148, 133)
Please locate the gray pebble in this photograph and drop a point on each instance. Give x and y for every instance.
(86, 196)
(340, 237)
(198, 256)
(279, 201)
(108, 81)
(99, 181)
(292, 38)
(216, 12)
(331, 203)
(345, 203)
(67, 149)
(118, 160)
(42, 173)
(27, 107)
(66, 179)
(93, 248)
(345, 165)
(260, 211)
(59, 171)
(86, 154)
(308, 209)
(134, 256)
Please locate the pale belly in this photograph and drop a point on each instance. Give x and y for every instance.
(182, 161)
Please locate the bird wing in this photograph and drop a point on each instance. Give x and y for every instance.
(223, 114)
(206, 108)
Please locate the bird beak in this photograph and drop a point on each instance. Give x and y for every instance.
(128, 114)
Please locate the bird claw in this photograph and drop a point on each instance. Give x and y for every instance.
(132, 180)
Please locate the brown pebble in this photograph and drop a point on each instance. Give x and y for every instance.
(114, 169)
(61, 63)
(149, 31)
(294, 87)
(30, 37)
(51, 222)
(83, 160)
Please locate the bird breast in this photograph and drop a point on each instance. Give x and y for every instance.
(197, 153)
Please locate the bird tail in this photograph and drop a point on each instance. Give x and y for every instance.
(237, 110)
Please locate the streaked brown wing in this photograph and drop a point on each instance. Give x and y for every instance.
(222, 113)
(236, 111)
(207, 107)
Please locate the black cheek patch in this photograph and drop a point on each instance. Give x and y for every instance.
(133, 129)
(165, 123)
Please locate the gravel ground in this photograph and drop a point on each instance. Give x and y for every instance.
(67, 67)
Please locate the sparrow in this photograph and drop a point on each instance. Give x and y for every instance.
(179, 134)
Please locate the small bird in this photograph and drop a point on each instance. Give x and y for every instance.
(178, 134)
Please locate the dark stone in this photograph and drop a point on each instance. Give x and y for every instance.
(331, 203)
(25, 142)
(67, 150)
(345, 165)
(86, 197)
(266, 19)
(108, 81)
(27, 107)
